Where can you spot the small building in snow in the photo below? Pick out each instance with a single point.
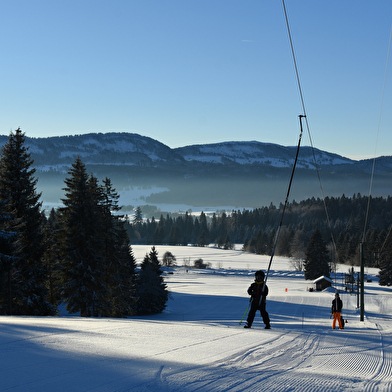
(322, 283)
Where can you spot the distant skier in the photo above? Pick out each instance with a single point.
(256, 292)
(336, 310)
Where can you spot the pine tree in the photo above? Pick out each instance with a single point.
(6, 262)
(138, 218)
(202, 239)
(159, 234)
(385, 261)
(174, 235)
(316, 257)
(228, 243)
(123, 282)
(151, 291)
(204, 227)
(51, 258)
(26, 273)
(81, 242)
(119, 259)
(298, 245)
(284, 241)
(188, 227)
(153, 258)
(214, 228)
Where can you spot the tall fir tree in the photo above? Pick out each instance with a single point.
(84, 288)
(151, 292)
(26, 272)
(385, 261)
(51, 258)
(119, 259)
(123, 278)
(6, 261)
(316, 261)
(138, 218)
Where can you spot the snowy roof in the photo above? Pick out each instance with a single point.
(322, 278)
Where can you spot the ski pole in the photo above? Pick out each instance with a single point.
(246, 311)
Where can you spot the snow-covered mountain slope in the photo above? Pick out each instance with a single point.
(134, 149)
(256, 152)
(99, 148)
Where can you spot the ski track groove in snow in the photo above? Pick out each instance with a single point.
(207, 342)
(264, 366)
(384, 369)
(305, 354)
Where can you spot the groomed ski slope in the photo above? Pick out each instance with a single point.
(197, 344)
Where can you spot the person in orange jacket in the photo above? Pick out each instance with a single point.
(256, 292)
(336, 310)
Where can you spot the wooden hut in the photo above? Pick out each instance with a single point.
(322, 283)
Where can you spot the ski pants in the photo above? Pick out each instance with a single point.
(252, 312)
(337, 316)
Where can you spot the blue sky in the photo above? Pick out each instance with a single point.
(189, 72)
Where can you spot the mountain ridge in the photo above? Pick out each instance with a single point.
(133, 148)
(244, 174)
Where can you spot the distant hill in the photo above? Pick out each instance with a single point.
(99, 148)
(239, 174)
(248, 153)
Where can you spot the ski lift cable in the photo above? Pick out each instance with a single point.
(294, 60)
(378, 132)
(307, 126)
(385, 241)
(284, 207)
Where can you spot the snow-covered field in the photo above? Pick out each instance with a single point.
(197, 343)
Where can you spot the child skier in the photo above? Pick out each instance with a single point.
(258, 300)
(336, 310)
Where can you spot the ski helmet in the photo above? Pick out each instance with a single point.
(260, 273)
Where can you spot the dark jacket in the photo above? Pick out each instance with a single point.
(337, 305)
(255, 291)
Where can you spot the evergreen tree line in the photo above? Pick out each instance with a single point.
(80, 254)
(256, 229)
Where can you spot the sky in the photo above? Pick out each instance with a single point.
(194, 72)
(197, 344)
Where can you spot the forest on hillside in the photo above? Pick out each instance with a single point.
(341, 221)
